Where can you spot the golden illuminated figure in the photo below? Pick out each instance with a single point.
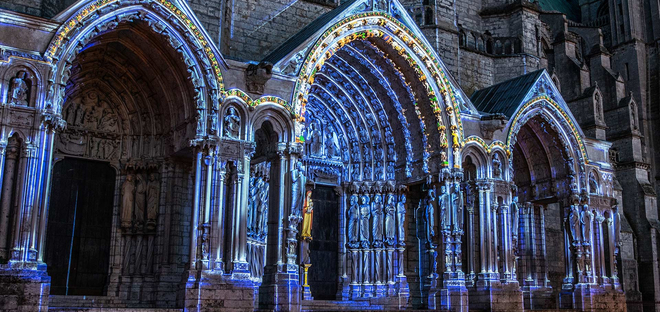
(308, 216)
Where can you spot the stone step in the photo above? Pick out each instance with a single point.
(70, 309)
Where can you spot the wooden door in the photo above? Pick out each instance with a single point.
(324, 253)
(79, 227)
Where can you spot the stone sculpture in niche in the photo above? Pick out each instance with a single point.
(314, 139)
(332, 143)
(232, 123)
(429, 211)
(140, 199)
(377, 220)
(515, 215)
(401, 212)
(127, 200)
(497, 166)
(390, 215)
(298, 182)
(443, 201)
(19, 91)
(153, 194)
(365, 213)
(353, 221)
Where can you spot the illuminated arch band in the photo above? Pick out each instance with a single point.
(548, 109)
(164, 18)
(419, 56)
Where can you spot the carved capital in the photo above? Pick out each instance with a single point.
(52, 122)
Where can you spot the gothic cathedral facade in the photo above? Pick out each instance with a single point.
(321, 155)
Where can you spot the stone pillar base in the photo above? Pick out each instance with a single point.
(213, 291)
(596, 299)
(24, 289)
(453, 298)
(538, 297)
(500, 297)
(280, 292)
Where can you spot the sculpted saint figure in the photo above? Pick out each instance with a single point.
(377, 220)
(232, 123)
(252, 200)
(429, 210)
(515, 216)
(308, 216)
(574, 220)
(497, 165)
(390, 215)
(401, 216)
(353, 221)
(298, 182)
(153, 193)
(457, 198)
(332, 143)
(127, 200)
(140, 199)
(262, 209)
(445, 213)
(19, 89)
(587, 217)
(365, 213)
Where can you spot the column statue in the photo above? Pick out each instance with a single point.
(390, 227)
(429, 215)
(298, 182)
(377, 220)
(140, 199)
(153, 194)
(365, 213)
(401, 219)
(445, 213)
(353, 222)
(127, 200)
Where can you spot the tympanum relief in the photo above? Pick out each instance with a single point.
(93, 128)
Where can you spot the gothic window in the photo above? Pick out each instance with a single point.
(507, 47)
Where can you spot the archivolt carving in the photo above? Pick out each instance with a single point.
(158, 16)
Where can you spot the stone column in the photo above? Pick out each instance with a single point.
(194, 223)
(220, 211)
(11, 159)
(23, 217)
(241, 265)
(494, 243)
(280, 287)
(506, 245)
(52, 126)
(544, 255)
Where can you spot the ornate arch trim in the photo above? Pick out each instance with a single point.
(419, 56)
(556, 116)
(240, 94)
(88, 13)
(495, 145)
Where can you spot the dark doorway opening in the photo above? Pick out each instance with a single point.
(79, 227)
(323, 274)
